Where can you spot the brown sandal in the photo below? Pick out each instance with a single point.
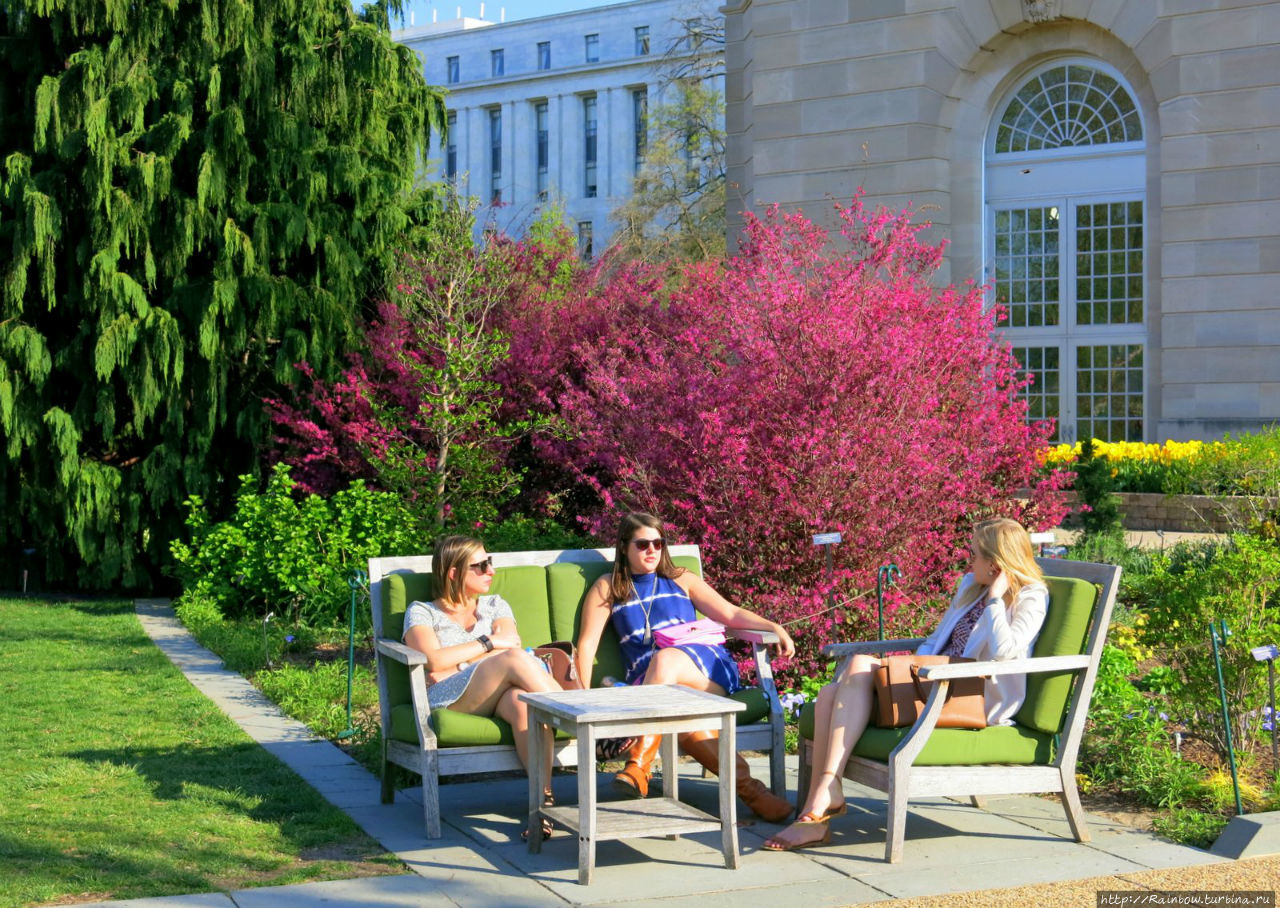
(548, 800)
(773, 843)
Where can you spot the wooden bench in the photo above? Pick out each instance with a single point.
(545, 590)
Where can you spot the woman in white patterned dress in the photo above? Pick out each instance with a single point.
(475, 660)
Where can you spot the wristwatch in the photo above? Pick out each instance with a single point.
(486, 642)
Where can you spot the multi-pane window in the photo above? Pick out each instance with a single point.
(589, 149)
(1067, 247)
(592, 43)
(1068, 106)
(544, 55)
(497, 62)
(451, 146)
(1109, 391)
(1042, 365)
(1026, 266)
(495, 155)
(585, 241)
(543, 157)
(640, 124)
(451, 70)
(642, 40)
(1109, 264)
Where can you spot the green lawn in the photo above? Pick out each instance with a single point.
(123, 781)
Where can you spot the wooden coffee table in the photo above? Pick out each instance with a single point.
(618, 712)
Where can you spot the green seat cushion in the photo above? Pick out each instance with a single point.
(455, 729)
(1065, 633)
(1009, 744)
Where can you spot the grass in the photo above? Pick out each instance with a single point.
(125, 782)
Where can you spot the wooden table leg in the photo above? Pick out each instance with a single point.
(539, 776)
(728, 800)
(670, 770)
(586, 804)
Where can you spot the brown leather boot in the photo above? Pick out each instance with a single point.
(704, 746)
(633, 781)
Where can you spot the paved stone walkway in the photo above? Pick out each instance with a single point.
(954, 853)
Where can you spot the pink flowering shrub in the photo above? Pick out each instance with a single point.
(796, 389)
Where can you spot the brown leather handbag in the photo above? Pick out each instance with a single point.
(561, 660)
(901, 693)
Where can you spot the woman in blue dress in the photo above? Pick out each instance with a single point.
(645, 593)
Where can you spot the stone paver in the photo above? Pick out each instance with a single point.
(481, 863)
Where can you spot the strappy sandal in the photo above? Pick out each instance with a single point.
(548, 800)
(773, 843)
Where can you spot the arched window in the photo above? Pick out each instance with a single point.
(1068, 106)
(1065, 241)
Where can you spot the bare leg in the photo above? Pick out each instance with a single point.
(843, 710)
(512, 668)
(671, 666)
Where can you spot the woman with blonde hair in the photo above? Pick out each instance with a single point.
(996, 614)
(646, 592)
(476, 662)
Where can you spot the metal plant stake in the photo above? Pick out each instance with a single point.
(358, 581)
(885, 577)
(1218, 634)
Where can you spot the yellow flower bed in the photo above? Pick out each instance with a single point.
(1165, 454)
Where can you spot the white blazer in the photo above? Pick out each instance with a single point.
(1001, 633)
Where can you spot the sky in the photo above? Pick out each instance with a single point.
(515, 9)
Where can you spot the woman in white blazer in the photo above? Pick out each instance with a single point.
(995, 615)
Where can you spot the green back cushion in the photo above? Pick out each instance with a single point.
(524, 588)
(567, 585)
(1065, 633)
(398, 590)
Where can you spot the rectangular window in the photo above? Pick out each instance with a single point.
(642, 40)
(451, 147)
(497, 62)
(1109, 394)
(543, 161)
(495, 155)
(589, 145)
(1042, 365)
(640, 120)
(544, 55)
(585, 232)
(1026, 265)
(1109, 264)
(451, 70)
(593, 48)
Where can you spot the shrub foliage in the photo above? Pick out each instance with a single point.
(800, 387)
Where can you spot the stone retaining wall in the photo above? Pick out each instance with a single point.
(1190, 513)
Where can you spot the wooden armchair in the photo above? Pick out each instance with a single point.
(1035, 754)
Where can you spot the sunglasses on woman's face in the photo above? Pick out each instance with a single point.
(643, 545)
(482, 567)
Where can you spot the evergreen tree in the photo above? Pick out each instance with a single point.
(194, 196)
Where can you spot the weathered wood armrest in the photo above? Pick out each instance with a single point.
(406, 655)
(1008, 667)
(843, 650)
(764, 638)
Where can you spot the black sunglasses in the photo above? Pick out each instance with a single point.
(643, 545)
(482, 567)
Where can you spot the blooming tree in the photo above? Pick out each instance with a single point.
(805, 386)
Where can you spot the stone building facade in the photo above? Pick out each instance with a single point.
(1110, 168)
(552, 109)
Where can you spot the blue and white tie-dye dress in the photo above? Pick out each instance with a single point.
(667, 605)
